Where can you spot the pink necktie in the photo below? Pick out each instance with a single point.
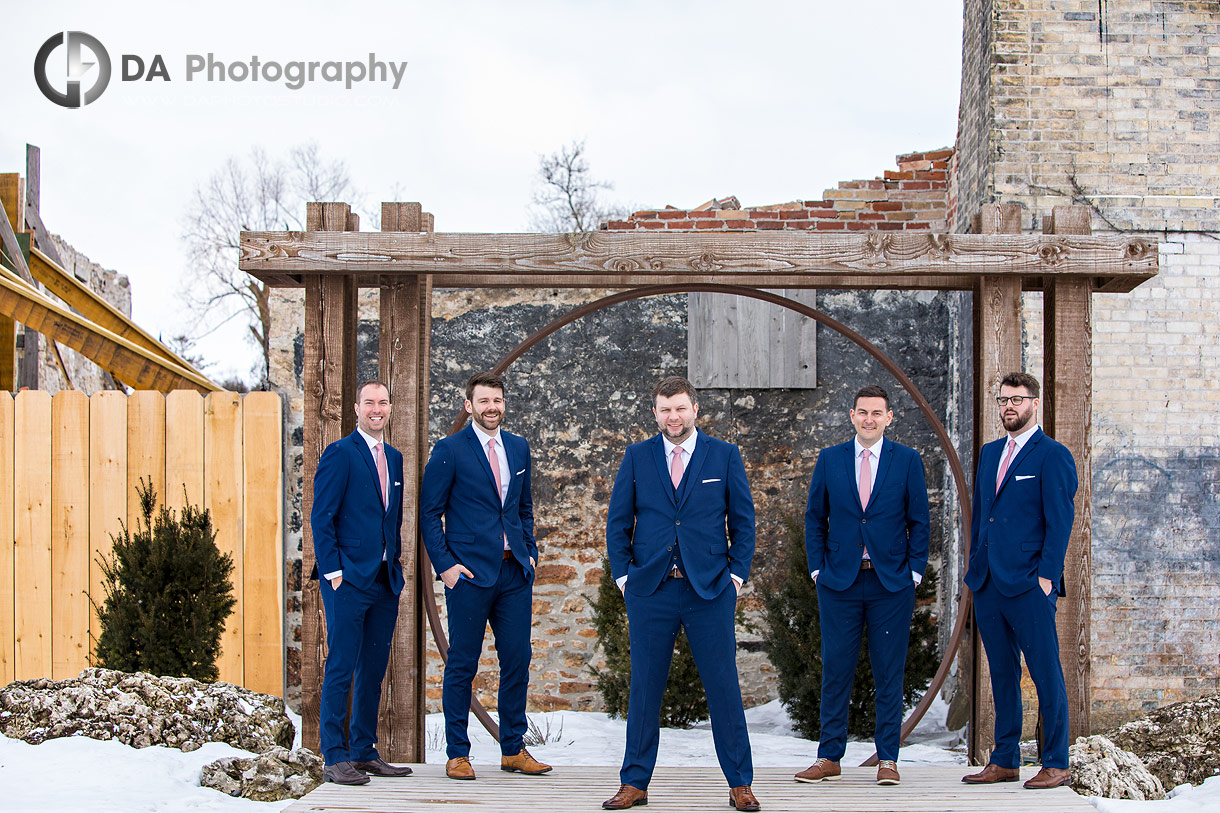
(1012, 448)
(866, 478)
(675, 466)
(382, 472)
(494, 460)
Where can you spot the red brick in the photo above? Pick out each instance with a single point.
(823, 213)
(940, 184)
(671, 214)
(857, 225)
(644, 214)
(886, 206)
(709, 224)
(891, 175)
(940, 165)
(915, 185)
(653, 224)
(831, 225)
(680, 224)
(851, 184)
(793, 214)
(703, 213)
(938, 155)
(930, 175)
(874, 184)
(916, 225)
(620, 224)
(739, 224)
(819, 204)
(871, 216)
(768, 225)
(763, 214)
(889, 226)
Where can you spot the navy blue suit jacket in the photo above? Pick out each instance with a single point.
(647, 517)
(351, 528)
(1020, 533)
(894, 526)
(459, 488)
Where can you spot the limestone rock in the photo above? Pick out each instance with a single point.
(272, 776)
(142, 710)
(1179, 743)
(1101, 768)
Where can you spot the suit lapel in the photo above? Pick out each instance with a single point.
(692, 470)
(658, 455)
(849, 471)
(879, 474)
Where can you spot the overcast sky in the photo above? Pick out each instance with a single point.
(677, 102)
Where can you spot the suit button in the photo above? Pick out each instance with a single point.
(991, 519)
(671, 547)
(677, 522)
(863, 521)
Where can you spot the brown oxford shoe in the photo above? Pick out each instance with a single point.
(742, 798)
(459, 768)
(887, 773)
(379, 767)
(342, 773)
(626, 797)
(991, 774)
(1049, 778)
(523, 762)
(821, 770)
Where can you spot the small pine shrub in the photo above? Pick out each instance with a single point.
(684, 703)
(794, 643)
(167, 594)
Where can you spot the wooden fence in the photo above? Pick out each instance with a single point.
(69, 465)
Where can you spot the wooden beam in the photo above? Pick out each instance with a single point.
(1068, 412)
(776, 259)
(12, 223)
(404, 356)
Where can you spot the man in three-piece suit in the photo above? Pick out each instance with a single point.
(356, 517)
(866, 537)
(665, 534)
(476, 516)
(1024, 492)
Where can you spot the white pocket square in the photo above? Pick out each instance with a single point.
(518, 474)
(397, 483)
(1023, 476)
(713, 480)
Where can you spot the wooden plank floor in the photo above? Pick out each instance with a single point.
(930, 788)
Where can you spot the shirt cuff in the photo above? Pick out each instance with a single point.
(621, 581)
(917, 577)
(813, 574)
(333, 574)
(740, 581)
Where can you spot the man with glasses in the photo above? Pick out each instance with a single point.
(1022, 518)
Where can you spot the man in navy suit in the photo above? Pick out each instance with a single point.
(665, 534)
(866, 537)
(356, 517)
(1023, 511)
(476, 515)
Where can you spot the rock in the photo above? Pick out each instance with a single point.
(1179, 743)
(1101, 768)
(141, 710)
(272, 776)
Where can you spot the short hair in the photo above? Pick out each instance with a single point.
(487, 379)
(674, 385)
(871, 391)
(1021, 380)
(369, 382)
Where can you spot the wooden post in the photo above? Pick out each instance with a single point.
(404, 358)
(9, 196)
(1067, 408)
(997, 350)
(330, 341)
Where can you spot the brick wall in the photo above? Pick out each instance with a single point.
(1117, 105)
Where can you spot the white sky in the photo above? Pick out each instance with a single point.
(677, 102)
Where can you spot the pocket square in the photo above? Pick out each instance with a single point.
(1023, 476)
(518, 474)
(397, 483)
(713, 480)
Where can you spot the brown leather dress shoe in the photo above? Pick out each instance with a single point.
(459, 768)
(887, 773)
(342, 773)
(523, 762)
(379, 767)
(1049, 778)
(627, 796)
(991, 774)
(742, 798)
(821, 770)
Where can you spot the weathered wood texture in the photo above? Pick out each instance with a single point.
(67, 465)
(744, 343)
(614, 260)
(924, 789)
(9, 183)
(1068, 412)
(183, 449)
(222, 496)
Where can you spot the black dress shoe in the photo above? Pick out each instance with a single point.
(342, 773)
(379, 767)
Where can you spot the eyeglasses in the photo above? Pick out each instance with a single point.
(1017, 400)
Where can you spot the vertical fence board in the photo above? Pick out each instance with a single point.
(222, 497)
(70, 645)
(145, 447)
(7, 608)
(32, 534)
(263, 565)
(183, 449)
(108, 478)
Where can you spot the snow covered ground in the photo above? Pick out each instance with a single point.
(78, 774)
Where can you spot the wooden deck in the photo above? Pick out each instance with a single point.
(931, 788)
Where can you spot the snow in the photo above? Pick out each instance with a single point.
(78, 774)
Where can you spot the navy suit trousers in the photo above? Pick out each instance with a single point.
(653, 621)
(507, 606)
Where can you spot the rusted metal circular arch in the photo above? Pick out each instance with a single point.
(946, 445)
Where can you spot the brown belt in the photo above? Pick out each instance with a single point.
(508, 554)
(674, 573)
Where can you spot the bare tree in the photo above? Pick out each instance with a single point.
(259, 193)
(567, 198)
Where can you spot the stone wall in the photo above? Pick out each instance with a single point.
(1117, 105)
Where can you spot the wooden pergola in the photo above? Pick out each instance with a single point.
(406, 260)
